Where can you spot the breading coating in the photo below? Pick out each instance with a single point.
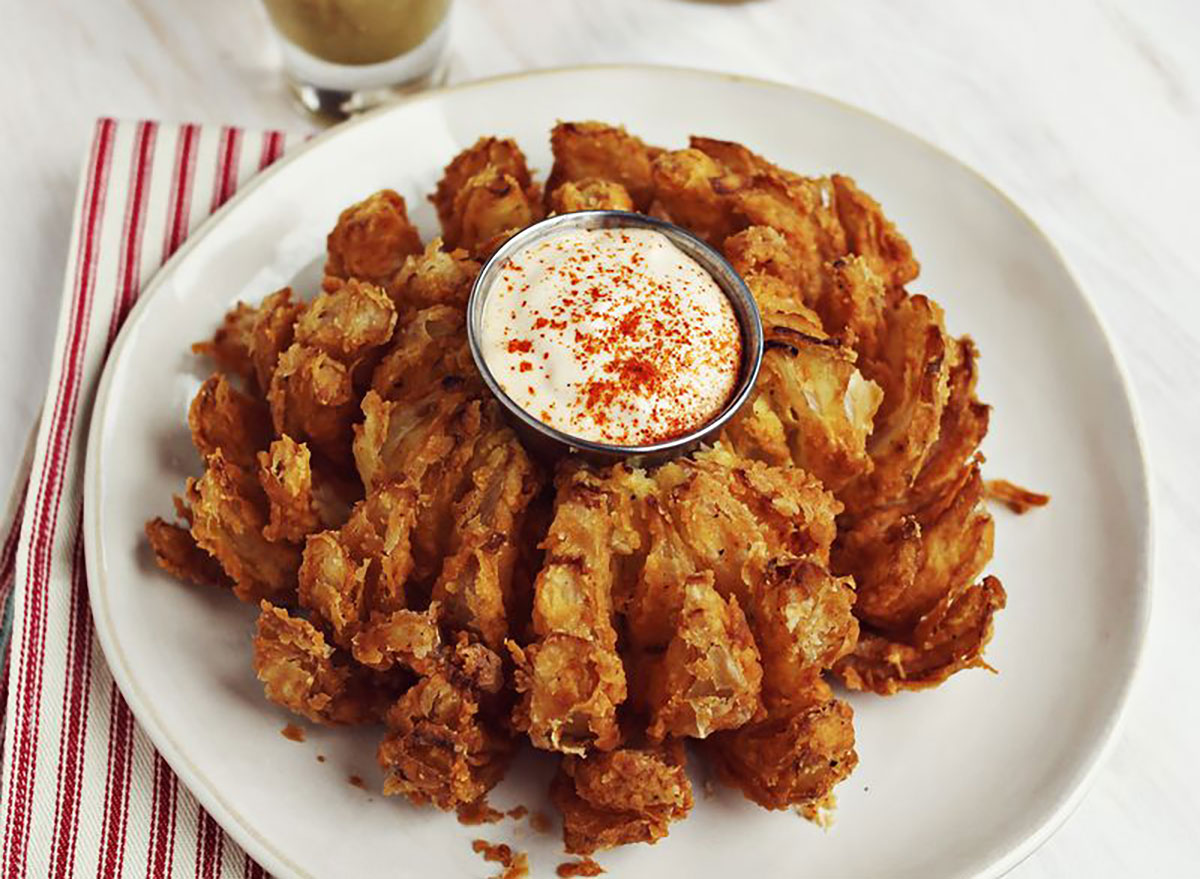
(285, 473)
(871, 235)
(693, 190)
(489, 209)
(312, 399)
(299, 671)
(273, 333)
(485, 195)
(222, 418)
(435, 276)
(176, 552)
(594, 150)
(250, 340)
(501, 154)
(231, 345)
(439, 748)
(229, 512)
(811, 408)
(362, 568)
(795, 757)
(429, 348)
(474, 587)
(372, 239)
(623, 796)
(571, 679)
(589, 194)
(349, 321)
(709, 677)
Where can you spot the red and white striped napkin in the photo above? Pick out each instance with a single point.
(83, 791)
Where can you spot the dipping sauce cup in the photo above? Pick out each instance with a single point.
(552, 441)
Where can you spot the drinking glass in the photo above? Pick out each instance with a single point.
(344, 56)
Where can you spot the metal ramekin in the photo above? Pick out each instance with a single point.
(549, 440)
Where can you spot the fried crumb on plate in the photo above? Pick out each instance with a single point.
(1019, 500)
(515, 864)
(580, 867)
(293, 733)
(478, 812)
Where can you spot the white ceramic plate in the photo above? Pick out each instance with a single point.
(963, 781)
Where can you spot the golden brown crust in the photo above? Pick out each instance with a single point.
(434, 277)
(474, 587)
(709, 677)
(222, 418)
(620, 797)
(372, 239)
(229, 512)
(871, 235)
(571, 679)
(285, 473)
(361, 569)
(299, 671)
(485, 192)
(792, 759)
(230, 347)
(594, 150)
(176, 552)
(589, 194)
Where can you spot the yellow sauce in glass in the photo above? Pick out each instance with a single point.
(357, 31)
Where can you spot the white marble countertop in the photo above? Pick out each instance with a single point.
(1086, 111)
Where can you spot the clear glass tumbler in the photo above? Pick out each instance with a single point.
(344, 56)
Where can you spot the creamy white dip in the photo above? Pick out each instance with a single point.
(611, 335)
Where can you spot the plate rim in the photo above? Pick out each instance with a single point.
(231, 821)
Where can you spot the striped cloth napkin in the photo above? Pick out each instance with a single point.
(82, 790)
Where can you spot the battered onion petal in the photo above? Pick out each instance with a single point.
(435, 276)
(811, 408)
(872, 235)
(350, 320)
(571, 679)
(285, 473)
(595, 150)
(299, 672)
(953, 637)
(923, 617)
(272, 334)
(223, 418)
(429, 349)
(372, 239)
(250, 339)
(503, 155)
(362, 568)
(490, 208)
(623, 796)
(176, 552)
(914, 373)
(709, 676)
(312, 399)
(229, 512)
(231, 345)
(589, 194)
(439, 748)
(429, 443)
(794, 757)
(693, 190)
(474, 587)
